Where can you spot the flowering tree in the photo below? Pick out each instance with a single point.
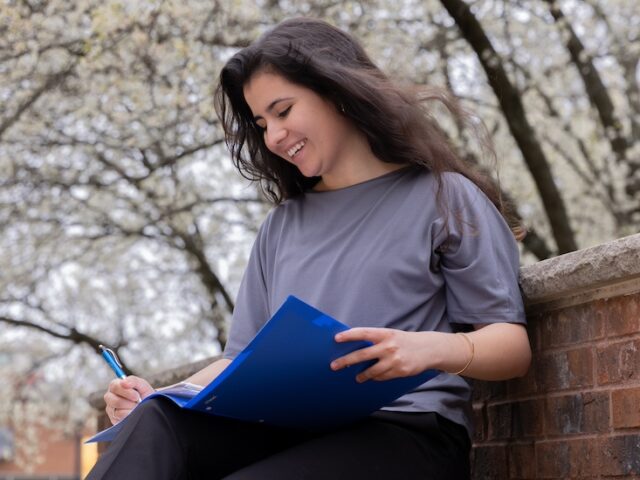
(123, 221)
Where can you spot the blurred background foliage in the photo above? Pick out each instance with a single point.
(123, 221)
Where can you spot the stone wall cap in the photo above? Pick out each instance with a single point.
(611, 263)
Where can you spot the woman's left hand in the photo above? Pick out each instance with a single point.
(399, 353)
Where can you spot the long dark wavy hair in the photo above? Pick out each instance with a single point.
(316, 55)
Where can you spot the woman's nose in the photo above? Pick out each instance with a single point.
(275, 136)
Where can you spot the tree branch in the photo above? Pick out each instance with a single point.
(593, 84)
(51, 82)
(73, 335)
(514, 112)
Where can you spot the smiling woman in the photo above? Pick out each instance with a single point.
(379, 224)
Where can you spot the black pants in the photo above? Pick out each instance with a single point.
(162, 441)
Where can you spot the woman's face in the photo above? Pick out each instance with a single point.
(302, 127)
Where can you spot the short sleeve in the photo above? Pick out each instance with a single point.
(252, 303)
(478, 257)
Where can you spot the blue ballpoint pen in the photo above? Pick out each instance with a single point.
(113, 361)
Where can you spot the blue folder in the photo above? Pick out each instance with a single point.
(283, 377)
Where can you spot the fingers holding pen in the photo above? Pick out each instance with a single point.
(139, 386)
(124, 390)
(117, 406)
(123, 395)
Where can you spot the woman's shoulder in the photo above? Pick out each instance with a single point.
(457, 187)
(457, 181)
(424, 175)
(449, 186)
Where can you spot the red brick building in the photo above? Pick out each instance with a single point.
(61, 457)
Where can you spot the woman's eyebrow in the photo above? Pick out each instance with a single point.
(271, 106)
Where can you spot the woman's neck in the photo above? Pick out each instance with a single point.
(357, 173)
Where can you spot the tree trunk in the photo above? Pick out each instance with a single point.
(513, 110)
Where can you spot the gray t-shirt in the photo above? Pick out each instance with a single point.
(382, 253)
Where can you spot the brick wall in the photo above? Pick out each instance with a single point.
(577, 412)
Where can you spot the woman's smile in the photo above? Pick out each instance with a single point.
(292, 152)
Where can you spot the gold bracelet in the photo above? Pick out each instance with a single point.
(473, 351)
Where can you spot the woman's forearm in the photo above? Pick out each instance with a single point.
(208, 373)
(500, 351)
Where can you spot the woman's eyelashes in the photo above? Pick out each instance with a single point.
(261, 125)
(285, 112)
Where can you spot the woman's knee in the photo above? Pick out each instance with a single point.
(154, 415)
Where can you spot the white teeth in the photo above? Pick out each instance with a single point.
(296, 148)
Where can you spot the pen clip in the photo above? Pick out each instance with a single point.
(112, 354)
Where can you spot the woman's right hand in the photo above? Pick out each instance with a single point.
(123, 395)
